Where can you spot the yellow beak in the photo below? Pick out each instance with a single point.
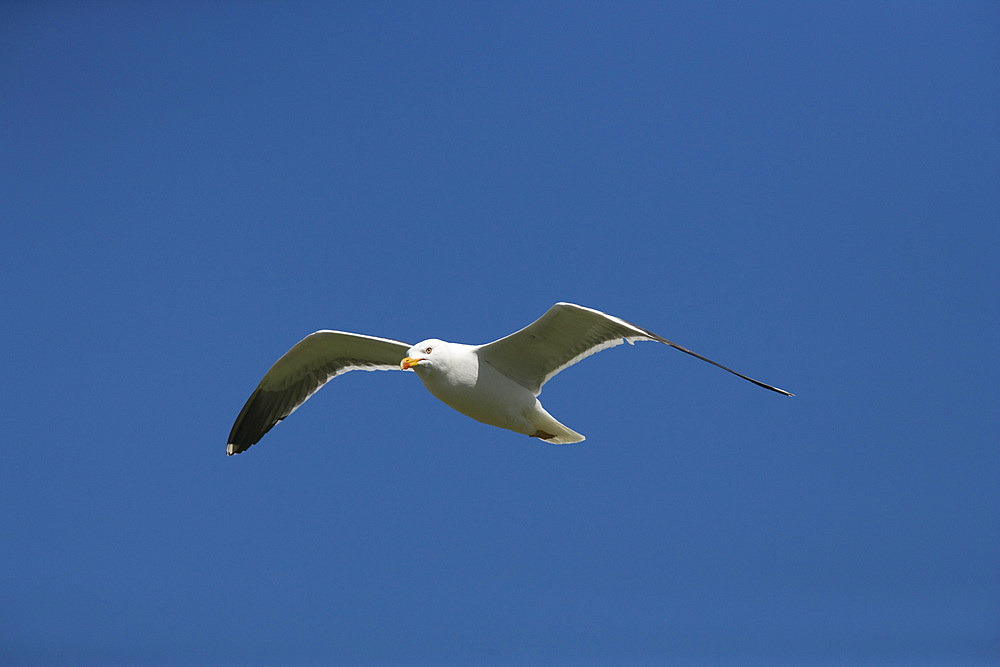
(406, 363)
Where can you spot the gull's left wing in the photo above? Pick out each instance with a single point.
(301, 371)
(564, 335)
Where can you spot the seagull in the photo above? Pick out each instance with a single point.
(497, 383)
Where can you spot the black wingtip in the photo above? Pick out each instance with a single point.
(716, 364)
(237, 448)
(756, 382)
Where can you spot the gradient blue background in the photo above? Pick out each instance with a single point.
(807, 192)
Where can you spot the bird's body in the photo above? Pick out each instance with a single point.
(497, 383)
(472, 386)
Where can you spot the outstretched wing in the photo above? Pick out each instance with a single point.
(564, 335)
(301, 371)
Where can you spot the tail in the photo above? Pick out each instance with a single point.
(550, 430)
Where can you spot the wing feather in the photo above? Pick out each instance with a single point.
(301, 371)
(566, 334)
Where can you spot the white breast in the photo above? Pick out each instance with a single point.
(476, 389)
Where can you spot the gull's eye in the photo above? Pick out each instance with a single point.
(427, 350)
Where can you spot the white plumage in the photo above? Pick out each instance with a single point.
(496, 383)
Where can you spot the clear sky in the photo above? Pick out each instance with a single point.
(807, 192)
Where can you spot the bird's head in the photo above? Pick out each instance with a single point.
(424, 354)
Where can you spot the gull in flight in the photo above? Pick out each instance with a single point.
(497, 383)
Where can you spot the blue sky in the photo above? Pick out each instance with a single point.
(806, 192)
